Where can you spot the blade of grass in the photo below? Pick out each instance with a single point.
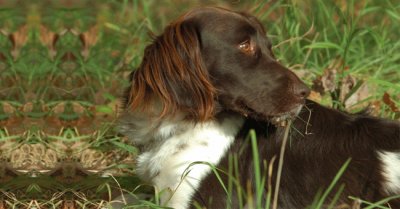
(257, 170)
(332, 184)
(280, 165)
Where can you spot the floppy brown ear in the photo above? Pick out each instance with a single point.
(173, 72)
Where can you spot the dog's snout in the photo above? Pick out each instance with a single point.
(301, 90)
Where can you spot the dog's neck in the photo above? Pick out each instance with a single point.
(175, 145)
(143, 129)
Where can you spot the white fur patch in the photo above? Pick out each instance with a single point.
(391, 171)
(175, 144)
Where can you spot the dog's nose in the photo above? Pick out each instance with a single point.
(301, 90)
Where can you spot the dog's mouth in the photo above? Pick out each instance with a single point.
(278, 120)
(281, 120)
(248, 111)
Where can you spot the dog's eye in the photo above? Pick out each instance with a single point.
(246, 47)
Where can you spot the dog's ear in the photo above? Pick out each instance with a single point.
(173, 72)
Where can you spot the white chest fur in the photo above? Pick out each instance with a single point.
(391, 171)
(167, 163)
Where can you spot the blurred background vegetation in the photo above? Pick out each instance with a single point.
(64, 65)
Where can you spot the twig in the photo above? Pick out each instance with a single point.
(280, 165)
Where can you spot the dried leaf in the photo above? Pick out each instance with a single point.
(329, 80)
(326, 82)
(8, 108)
(355, 97)
(89, 39)
(374, 107)
(346, 86)
(315, 96)
(2, 58)
(18, 39)
(317, 85)
(389, 102)
(48, 39)
(115, 53)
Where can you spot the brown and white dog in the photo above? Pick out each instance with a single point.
(209, 79)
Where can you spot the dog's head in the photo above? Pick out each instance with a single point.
(212, 59)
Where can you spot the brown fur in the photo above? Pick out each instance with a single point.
(172, 66)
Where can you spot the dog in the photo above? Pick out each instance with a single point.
(209, 79)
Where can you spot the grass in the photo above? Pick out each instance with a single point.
(63, 65)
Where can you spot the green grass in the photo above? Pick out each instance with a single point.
(64, 65)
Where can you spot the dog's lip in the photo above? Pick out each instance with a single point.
(283, 118)
(280, 119)
(250, 111)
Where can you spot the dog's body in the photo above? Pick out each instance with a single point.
(209, 79)
(321, 140)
